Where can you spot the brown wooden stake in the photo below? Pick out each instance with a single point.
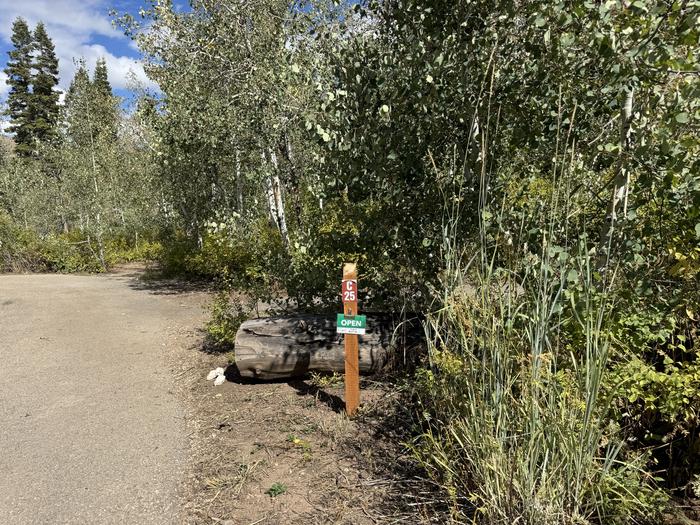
(352, 359)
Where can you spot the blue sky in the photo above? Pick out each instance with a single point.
(79, 29)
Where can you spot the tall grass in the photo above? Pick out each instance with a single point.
(515, 423)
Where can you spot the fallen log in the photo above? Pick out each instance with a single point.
(292, 346)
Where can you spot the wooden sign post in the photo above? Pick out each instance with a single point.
(351, 324)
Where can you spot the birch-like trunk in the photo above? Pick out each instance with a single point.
(100, 242)
(279, 203)
(620, 192)
(62, 207)
(239, 182)
(270, 194)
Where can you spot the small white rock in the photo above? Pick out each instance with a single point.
(215, 373)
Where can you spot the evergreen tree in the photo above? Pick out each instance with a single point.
(91, 110)
(80, 82)
(44, 98)
(19, 73)
(105, 101)
(77, 107)
(100, 79)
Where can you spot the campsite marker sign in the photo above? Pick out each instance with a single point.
(351, 324)
(356, 324)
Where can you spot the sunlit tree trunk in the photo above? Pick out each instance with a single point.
(279, 203)
(239, 182)
(620, 193)
(99, 231)
(270, 194)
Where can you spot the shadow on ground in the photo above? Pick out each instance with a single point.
(155, 282)
(301, 385)
(348, 471)
(211, 347)
(410, 496)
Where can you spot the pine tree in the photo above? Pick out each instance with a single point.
(105, 101)
(78, 107)
(100, 79)
(43, 101)
(19, 73)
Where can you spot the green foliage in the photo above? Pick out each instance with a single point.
(277, 489)
(515, 421)
(22, 250)
(673, 393)
(392, 277)
(246, 258)
(19, 75)
(226, 315)
(43, 103)
(321, 380)
(410, 137)
(18, 248)
(77, 128)
(94, 181)
(122, 250)
(101, 80)
(69, 253)
(33, 76)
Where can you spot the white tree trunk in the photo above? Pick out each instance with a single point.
(270, 194)
(239, 182)
(620, 192)
(279, 203)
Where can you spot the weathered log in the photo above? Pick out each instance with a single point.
(291, 346)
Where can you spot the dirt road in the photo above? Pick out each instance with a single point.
(91, 431)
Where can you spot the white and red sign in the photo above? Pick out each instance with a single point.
(350, 291)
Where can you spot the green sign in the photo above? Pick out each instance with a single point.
(351, 324)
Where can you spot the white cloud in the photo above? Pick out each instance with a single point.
(72, 25)
(4, 88)
(4, 125)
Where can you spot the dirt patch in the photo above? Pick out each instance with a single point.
(284, 453)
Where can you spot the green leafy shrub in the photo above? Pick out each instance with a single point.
(22, 250)
(248, 257)
(394, 275)
(655, 384)
(69, 253)
(18, 248)
(226, 316)
(121, 250)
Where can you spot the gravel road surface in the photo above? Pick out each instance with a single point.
(91, 431)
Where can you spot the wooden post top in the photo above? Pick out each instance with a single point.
(349, 271)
